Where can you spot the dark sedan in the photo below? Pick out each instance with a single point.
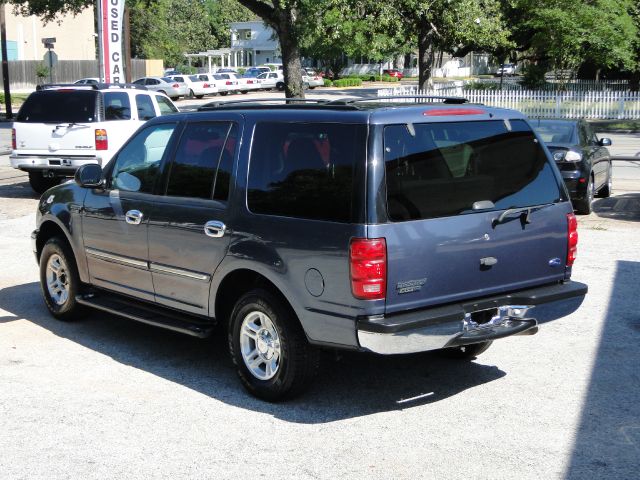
(582, 158)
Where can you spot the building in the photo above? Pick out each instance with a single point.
(252, 43)
(75, 39)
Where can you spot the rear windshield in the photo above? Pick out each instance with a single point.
(59, 106)
(555, 131)
(443, 169)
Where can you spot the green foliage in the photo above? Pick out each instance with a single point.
(481, 86)
(220, 14)
(347, 82)
(533, 78)
(49, 9)
(328, 83)
(241, 71)
(1, 98)
(187, 69)
(42, 71)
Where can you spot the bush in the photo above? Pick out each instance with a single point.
(2, 99)
(347, 82)
(534, 77)
(482, 86)
(373, 77)
(187, 69)
(328, 83)
(241, 71)
(42, 71)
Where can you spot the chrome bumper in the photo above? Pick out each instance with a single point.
(463, 324)
(51, 162)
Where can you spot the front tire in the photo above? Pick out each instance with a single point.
(59, 280)
(583, 207)
(607, 190)
(40, 183)
(268, 347)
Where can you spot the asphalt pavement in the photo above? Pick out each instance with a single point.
(106, 398)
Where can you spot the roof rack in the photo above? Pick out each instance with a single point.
(90, 86)
(286, 101)
(447, 100)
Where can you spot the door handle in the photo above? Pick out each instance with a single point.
(214, 228)
(133, 217)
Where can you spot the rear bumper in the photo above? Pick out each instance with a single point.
(56, 164)
(454, 325)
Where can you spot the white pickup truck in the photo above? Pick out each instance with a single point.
(61, 127)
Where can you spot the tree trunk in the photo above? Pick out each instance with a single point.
(425, 55)
(291, 63)
(598, 74)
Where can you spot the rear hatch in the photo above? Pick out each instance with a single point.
(57, 122)
(475, 208)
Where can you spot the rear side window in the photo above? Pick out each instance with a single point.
(59, 106)
(144, 104)
(305, 170)
(203, 148)
(165, 105)
(443, 169)
(117, 106)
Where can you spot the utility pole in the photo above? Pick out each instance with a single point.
(5, 62)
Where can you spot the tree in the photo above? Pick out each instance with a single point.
(221, 13)
(49, 9)
(286, 17)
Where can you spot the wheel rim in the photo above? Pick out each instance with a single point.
(57, 280)
(610, 183)
(590, 192)
(260, 345)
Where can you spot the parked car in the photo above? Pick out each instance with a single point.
(226, 70)
(195, 86)
(312, 80)
(350, 225)
(61, 127)
(257, 70)
(210, 83)
(228, 83)
(583, 159)
(171, 88)
(251, 81)
(271, 80)
(87, 81)
(393, 73)
(507, 69)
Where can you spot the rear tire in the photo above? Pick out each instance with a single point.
(607, 190)
(199, 96)
(59, 280)
(40, 183)
(280, 86)
(224, 94)
(583, 207)
(466, 352)
(268, 347)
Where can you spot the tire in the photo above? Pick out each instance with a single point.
(59, 280)
(190, 94)
(583, 207)
(466, 352)
(607, 190)
(40, 183)
(162, 92)
(175, 99)
(311, 88)
(244, 92)
(263, 330)
(199, 96)
(280, 86)
(224, 94)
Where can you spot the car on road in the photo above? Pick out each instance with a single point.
(171, 88)
(583, 159)
(390, 228)
(62, 127)
(195, 86)
(393, 73)
(312, 80)
(506, 69)
(272, 80)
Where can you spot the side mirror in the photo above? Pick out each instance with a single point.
(605, 142)
(89, 176)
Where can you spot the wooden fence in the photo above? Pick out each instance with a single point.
(22, 73)
(578, 104)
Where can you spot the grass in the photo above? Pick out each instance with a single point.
(616, 125)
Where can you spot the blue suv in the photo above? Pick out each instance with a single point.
(366, 225)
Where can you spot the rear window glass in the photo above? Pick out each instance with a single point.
(554, 131)
(58, 106)
(443, 169)
(117, 106)
(305, 170)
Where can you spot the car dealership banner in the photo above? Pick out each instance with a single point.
(110, 14)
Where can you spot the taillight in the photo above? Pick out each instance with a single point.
(229, 82)
(206, 85)
(368, 268)
(102, 142)
(572, 238)
(175, 85)
(13, 139)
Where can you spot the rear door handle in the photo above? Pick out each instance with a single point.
(214, 228)
(134, 217)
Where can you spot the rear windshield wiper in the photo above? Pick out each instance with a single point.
(523, 212)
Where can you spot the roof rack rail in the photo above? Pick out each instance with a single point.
(447, 100)
(90, 86)
(267, 101)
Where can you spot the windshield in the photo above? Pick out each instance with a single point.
(445, 169)
(59, 106)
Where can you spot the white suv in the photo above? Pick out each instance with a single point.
(61, 127)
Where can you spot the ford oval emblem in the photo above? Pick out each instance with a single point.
(555, 262)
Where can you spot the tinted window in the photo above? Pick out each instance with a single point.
(165, 105)
(305, 170)
(56, 106)
(117, 106)
(442, 169)
(554, 131)
(225, 166)
(197, 157)
(144, 104)
(137, 165)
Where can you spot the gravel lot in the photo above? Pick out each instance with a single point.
(107, 398)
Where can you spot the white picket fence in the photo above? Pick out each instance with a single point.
(590, 104)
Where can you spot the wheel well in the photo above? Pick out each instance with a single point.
(236, 284)
(48, 230)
